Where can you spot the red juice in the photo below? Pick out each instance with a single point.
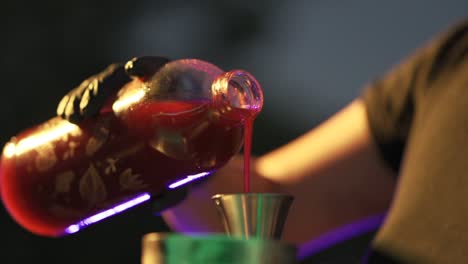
(247, 116)
(57, 174)
(248, 130)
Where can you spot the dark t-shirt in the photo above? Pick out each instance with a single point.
(418, 115)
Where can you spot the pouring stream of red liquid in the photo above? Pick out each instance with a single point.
(248, 128)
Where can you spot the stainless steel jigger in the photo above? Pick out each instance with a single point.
(253, 215)
(253, 222)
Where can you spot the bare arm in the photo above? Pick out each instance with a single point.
(333, 171)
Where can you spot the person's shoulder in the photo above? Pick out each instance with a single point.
(460, 24)
(451, 49)
(456, 36)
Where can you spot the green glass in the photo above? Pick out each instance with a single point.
(214, 249)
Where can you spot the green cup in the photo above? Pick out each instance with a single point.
(165, 248)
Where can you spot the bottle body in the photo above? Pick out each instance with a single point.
(79, 171)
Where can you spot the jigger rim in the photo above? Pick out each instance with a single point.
(264, 194)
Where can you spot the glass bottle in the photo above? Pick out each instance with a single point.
(159, 134)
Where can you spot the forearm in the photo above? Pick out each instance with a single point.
(334, 172)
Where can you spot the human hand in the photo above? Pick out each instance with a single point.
(87, 99)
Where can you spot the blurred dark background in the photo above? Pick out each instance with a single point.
(311, 57)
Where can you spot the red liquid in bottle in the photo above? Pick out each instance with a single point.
(57, 174)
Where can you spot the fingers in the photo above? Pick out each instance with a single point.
(72, 110)
(89, 97)
(69, 106)
(101, 88)
(144, 67)
(61, 106)
(85, 98)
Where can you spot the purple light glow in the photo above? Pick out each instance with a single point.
(110, 212)
(188, 179)
(128, 204)
(339, 235)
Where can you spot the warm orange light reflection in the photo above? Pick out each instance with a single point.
(131, 97)
(9, 150)
(59, 130)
